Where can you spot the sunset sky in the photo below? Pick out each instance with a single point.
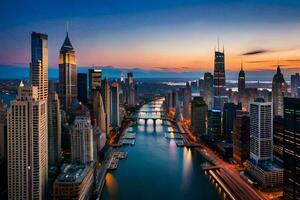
(174, 35)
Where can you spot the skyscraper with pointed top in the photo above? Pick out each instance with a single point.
(67, 74)
(241, 82)
(219, 79)
(279, 90)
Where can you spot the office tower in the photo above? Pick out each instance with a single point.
(174, 99)
(201, 87)
(27, 145)
(54, 130)
(115, 105)
(130, 90)
(278, 134)
(198, 116)
(67, 74)
(3, 130)
(39, 64)
(279, 90)
(208, 89)
(291, 155)
(261, 130)
(82, 87)
(219, 80)
(187, 96)
(241, 82)
(295, 83)
(241, 137)
(214, 125)
(74, 182)
(229, 114)
(82, 137)
(95, 77)
(105, 93)
(99, 112)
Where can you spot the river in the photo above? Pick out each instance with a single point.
(156, 168)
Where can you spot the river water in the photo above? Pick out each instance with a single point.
(156, 168)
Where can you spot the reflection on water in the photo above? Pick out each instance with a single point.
(111, 186)
(187, 167)
(172, 149)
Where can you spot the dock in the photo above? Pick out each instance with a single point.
(176, 136)
(113, 163)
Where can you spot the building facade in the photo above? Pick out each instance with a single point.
(115, 105)
(279, 90)
(82, 87)
(198, 116)
(214, 130)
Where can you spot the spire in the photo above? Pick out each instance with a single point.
(223, 49)
(218, 44)
(67, 44)
(278, 69)
(242, 67)
(21, 84)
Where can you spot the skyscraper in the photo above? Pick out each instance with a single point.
(82, 137)
(279, 90)
(198, 116)
(99, 112)
(261, 130)
(219, 80)
(130, 90)
(291, 147)
(208, 89)
(82, 87)
(54, 130)
(295, 83)
(27, 145)
(95, 77)
(187, 96)
(278, 135)
(214, 125)
(241, 82)
(241, 137)
(67, 74)
(229, 114)
(39, 64)
(105, 93)
(115, 104)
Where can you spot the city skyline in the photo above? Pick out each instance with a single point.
(159, 35)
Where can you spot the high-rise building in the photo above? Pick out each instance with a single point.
(95, 77)
(208, 89)
(130, 90)
(3, 130)
(105, 93)
(82, 137)
(295, 83)
(279, 90)
(67, 74)
(187, 96)
(261, 130)
(220, 96)
(198, 116)
(241, 82)
(99, 112)
(278, 134)
(214, 125)
(241, 137)
(27, 145)
(54, 130)
(39, 63)
(291, 148)
(82, 87)
(229, 114)
(115, 105)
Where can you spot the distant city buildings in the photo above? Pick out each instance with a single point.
(27, 145)
(241, 137)
(198, 116)
(131, 91)
(291, 148)
(279, 90)
(67, 74)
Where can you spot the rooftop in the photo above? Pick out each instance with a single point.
(73, 173)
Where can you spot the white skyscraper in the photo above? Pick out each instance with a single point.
(261, 130)
(27, 145)
(82, 137)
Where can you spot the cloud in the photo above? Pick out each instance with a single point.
(256, 51)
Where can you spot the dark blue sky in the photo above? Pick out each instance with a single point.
(172, 35)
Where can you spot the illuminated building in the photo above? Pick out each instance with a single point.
(74, 182)
(82, 87)
(95, 77)
(67, 74)
(105, 93)
(27, 145)
(131, 98)
(241, 82)
(198, 116)
(39, 63)
(99, 112)
(278, 92)
(291, 147)
(241, 137)
(208, 89)
(220, 96)
(54, 130)
(214, 131)
(229, 113)
(115, 104)
(187, 95)
(278, 135)
(295, 84)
